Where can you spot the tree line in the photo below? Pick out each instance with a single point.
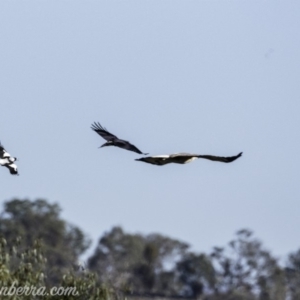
(38, 246)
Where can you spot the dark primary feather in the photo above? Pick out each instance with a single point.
(102, 131)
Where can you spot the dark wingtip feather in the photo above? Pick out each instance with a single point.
(231, 159)
(97, 126)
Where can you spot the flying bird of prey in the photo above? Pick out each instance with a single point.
(7, 161)
(183, 158)
(112, 140)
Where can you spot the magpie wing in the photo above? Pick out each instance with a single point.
(3, 153)
(102, 131)
(12, 169)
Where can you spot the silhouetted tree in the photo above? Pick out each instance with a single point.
(135, 261)
(196, 275)
(247, 270)
(292, 273)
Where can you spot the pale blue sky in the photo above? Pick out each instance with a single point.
(209, 77)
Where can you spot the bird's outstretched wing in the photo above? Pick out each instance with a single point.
(102, 131)
(116, 141)
(12, 169)
(221, 158)
(128, 146)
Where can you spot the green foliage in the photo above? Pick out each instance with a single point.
(25, 270)
(34, 220)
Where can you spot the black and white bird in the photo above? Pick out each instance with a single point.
(7, 161)
(183, 158)
(112, 140)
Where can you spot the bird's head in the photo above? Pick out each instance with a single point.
(12, 159)
(140, 159)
